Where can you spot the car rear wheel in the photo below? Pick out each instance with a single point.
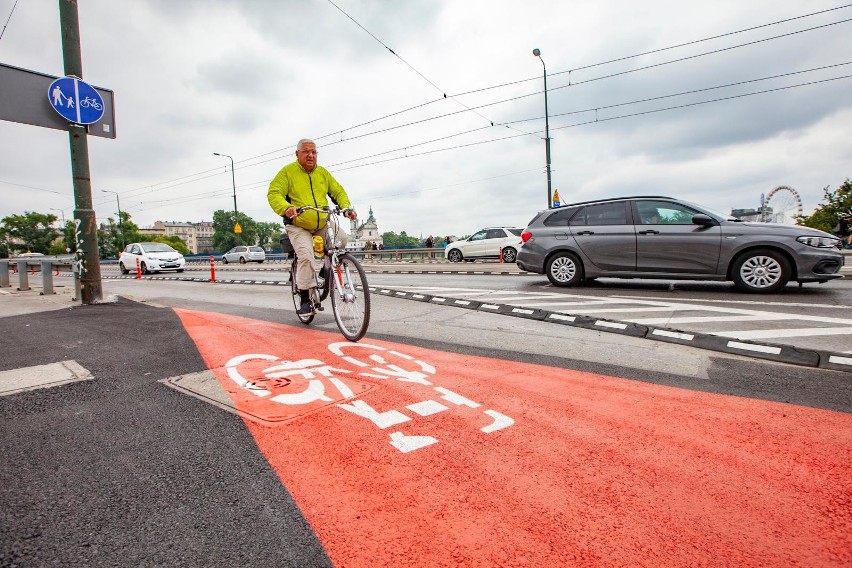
(564, 269)
(455, 255)
(509, 255)
(761, 270)
(242, 260)
(123, 269)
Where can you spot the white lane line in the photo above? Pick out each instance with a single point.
(705, 319)
(639, 310)
(568, 304)
(750, 302)
(732, 314)
(773, 333)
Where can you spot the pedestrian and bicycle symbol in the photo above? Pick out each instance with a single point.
(76, 100)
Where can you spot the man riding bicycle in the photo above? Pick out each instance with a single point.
(302, 183)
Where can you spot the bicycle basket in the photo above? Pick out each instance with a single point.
(286, 246)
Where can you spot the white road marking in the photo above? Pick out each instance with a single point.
(625, 306)
(771, 333)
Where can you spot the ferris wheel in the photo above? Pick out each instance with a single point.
(782, 205)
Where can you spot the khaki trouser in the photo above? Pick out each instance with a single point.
(303, 243)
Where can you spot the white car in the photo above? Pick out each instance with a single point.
(492, 242)
(152, 257)
(244, 254)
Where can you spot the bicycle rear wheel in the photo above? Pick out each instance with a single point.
(350, 298)
(297, 296)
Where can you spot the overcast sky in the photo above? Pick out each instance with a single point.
(249, 78)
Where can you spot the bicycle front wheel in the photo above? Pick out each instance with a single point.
(350, 298)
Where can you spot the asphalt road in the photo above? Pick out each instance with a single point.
(609, 437)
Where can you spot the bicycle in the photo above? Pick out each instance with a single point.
(340, 276)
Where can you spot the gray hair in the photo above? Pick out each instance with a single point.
(304, 141)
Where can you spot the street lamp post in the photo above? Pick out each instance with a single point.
(63, 214)
(233, 183)
(537, 53)
(118, 204)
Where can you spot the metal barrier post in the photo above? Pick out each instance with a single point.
(46, 277)
(23, 278)
(4, 274)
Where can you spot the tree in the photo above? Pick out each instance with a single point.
(838, 204)
(225, 238)
(173, 241)
(31, 232)
(112, 237)
(401, 240)
(267, 235)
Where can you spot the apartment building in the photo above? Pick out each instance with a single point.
(197, 236)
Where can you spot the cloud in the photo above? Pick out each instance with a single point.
(249, 78)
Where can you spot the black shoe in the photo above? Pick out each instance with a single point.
(307, 306)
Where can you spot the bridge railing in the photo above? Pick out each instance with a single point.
(24, 267)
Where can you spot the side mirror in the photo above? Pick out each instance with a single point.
(703, 220)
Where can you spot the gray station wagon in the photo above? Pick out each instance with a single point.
(662, 237)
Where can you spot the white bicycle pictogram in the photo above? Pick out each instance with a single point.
(327, 384)
(90, 102)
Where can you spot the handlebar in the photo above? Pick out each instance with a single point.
(326, 209)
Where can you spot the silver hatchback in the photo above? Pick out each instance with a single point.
(244, 254)
(662, 237)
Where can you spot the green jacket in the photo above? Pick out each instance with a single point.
(293, 186)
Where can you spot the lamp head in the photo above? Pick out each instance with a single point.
(537, 52)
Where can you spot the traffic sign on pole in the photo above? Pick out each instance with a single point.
(76, 100)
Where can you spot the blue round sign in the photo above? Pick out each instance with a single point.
(75, 100)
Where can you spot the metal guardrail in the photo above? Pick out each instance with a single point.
(46, 265)
(389, 255)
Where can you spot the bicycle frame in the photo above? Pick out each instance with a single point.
(343, 276)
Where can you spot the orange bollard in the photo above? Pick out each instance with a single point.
(138, 270)
(212, 269)
(501, 255)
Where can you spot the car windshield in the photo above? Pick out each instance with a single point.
(157, 247)
(712, 212)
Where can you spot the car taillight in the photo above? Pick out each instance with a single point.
(525, 236)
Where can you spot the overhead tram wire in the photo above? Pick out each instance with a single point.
(570, 84)
(659, 50)
(12, 11)
(594, 109)
(676, 107)
(698, 103)
(439, 89)
(694, 91)
(555, 88)
(340, 132)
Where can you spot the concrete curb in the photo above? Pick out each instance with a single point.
(769, 351)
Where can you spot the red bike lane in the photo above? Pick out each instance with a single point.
(405, 456)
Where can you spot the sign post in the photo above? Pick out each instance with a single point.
(88, 257)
